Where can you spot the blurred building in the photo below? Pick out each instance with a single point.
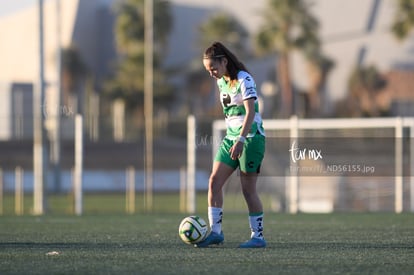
(398, 94)
(85, 25)
(353, 32)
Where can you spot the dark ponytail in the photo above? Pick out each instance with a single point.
(217, 51)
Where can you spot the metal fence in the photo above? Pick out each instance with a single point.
(324, 165)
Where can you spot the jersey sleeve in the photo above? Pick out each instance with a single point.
(247, 86)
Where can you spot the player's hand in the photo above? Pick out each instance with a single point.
(236, 150)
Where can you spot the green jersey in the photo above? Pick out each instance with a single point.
(232, 98)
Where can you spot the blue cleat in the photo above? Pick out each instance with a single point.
(254, 243)
(212, 238)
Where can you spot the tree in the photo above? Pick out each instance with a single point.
(73, 74)
(318, 67)
(128, 81)
(225, 28)
(364, 86)
(288, 26)
(221, 27)
(403, 19)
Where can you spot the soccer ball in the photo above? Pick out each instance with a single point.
(192, 229)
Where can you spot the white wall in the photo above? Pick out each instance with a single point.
(5, 111)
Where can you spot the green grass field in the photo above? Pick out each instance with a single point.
(149, 244)
(115, 203)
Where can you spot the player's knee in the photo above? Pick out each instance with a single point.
(214, 183)
(249, 189)
(212, 180)
(249, 193)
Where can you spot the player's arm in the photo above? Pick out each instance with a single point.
(237, 149)
(248, 90)
(248, 119)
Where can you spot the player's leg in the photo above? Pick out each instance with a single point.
(223, 167)
(248, 184)
(254, 204)
(250, 163)
(220, 173)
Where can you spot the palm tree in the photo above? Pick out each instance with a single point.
(318, 68)
(364, 86)
(403, 19)
(225, 28)
(128, 82)
(221, 27)
(288, 26)
(73, 74)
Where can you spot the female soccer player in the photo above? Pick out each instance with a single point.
(243, 145)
